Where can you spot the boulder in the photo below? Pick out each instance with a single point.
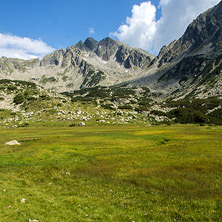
(12, 143)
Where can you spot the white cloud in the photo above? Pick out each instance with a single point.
(23, 48)
(91, 30)
(144, 31)
(139, 28)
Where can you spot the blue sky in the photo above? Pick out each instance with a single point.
(60, 23)
(54, 24)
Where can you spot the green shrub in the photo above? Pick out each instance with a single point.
(216, 117)
(141, 108)
(108, 106)
(81, 99)
(158, 113)
(187, 115)
(122, 92)
(44, 97)
(144, 101)
(126, 106)
(31, 98)
(24, 125)
(12, 87)
(18, 99)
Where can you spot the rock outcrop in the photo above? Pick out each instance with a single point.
(203, 37)
(12, 143)
(191, 65)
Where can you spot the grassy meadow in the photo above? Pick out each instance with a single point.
(111, 173)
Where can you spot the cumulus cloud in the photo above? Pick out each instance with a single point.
(23, 48)
(140, 28)
(143, 30)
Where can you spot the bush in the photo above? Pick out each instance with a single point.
(122, 92)
(31, 98)
(126, 106)
(158, 113)
(12, 87)
(141, 108)
(44, 97)
(108, 106)
(216, 117)
(73, 125)
(187, 115)
(145, 102)
(24, 125)
(18, 99)
(81, 99)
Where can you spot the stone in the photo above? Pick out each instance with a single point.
(82, 124)
(12, 143)
(23, 200)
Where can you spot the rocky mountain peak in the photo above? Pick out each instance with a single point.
(106, 48)
(205, 29)
(91, 43)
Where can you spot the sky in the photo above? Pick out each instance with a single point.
(34, 28)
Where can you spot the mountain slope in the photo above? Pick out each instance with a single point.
(191, 65)
(83, 65)
(188, 67)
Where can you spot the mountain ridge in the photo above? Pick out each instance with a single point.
(179, 67)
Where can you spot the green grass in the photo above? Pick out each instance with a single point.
(112, 173)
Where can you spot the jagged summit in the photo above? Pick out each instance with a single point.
(84, 64)
(91, 43)
(201, 37)
(191, 65)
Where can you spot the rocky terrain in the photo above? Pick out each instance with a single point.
(191, 65)
(87, 64)
(120, 84)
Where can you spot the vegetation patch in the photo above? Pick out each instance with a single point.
(113, 173)
(93, 78)
(45, 80)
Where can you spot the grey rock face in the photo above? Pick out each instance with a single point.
(207, 28)
(194, 62)
(106, 48)
(132, 57)
(81, 65)
(91, 44)
(53, 59)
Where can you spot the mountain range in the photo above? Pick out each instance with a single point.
(190, 66)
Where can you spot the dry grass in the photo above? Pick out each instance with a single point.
(115, 173)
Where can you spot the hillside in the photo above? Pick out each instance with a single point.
(87, 64)
(191, 66)
(115, 83)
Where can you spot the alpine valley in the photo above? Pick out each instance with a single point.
(104, 132)
(109, 82)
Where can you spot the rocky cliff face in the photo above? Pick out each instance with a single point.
(191, 65)
(107, 50)
(84, 64)
(203, 37)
